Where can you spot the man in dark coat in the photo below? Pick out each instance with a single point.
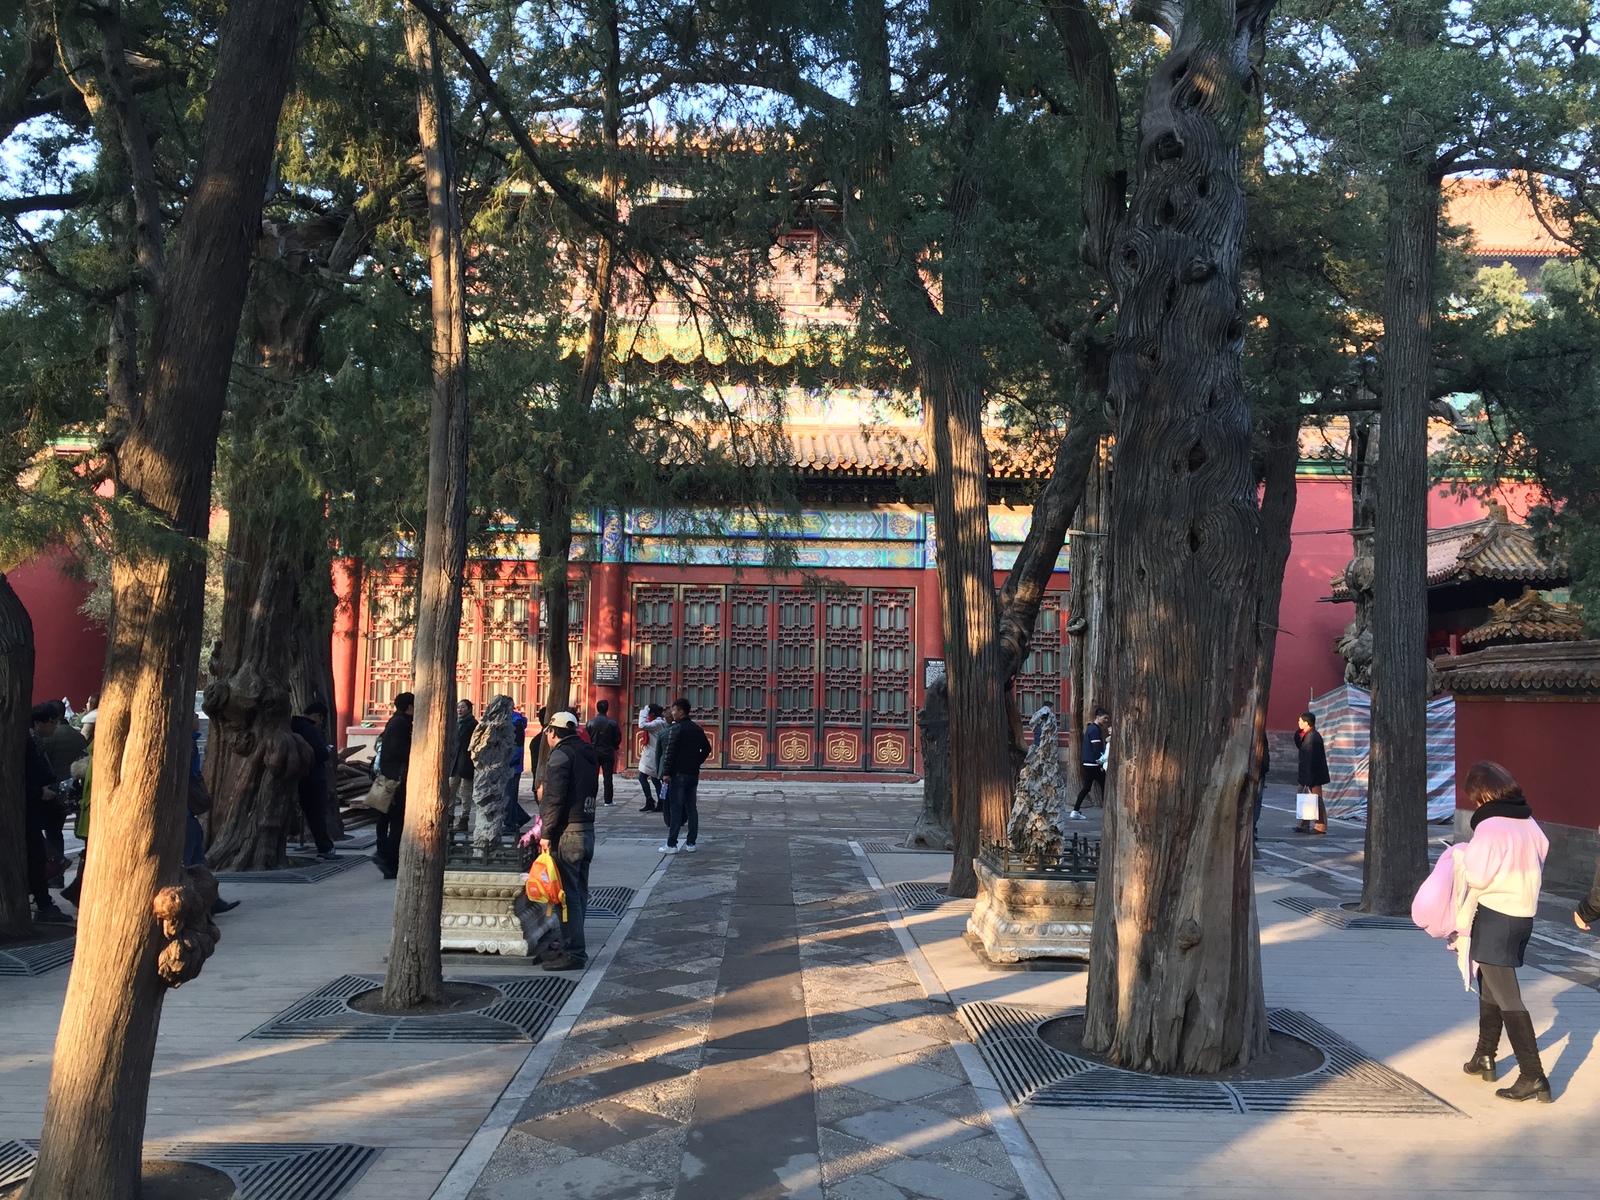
(461, 768)
(566, 808)
(1313, 770)
(1092, 760)
(605, 735)
(394, 757)
(39, 809)
(312, 728)
(680, 771)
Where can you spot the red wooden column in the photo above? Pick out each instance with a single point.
(608, 601)
(346, 644)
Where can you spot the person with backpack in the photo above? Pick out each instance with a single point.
(1313, 770)
(605, 735)
(680, 772)
(1093, 762)
(566, 814)
(652, 724)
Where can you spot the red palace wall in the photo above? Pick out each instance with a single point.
(1306, 663)
(69, 649)
(1544, 743)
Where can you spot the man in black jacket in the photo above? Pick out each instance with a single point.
(394, 757)
(312, 729)
(566, 808)
(680, 771)
(605, 735)
(461, 768)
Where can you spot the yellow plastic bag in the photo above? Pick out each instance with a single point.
(544, 883)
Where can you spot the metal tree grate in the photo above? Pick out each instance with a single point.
(37, 958)
(522, 1013)
(923, 895)
(1340, 917)
(260, 1170)
(312, 871)
(896, 848)
(610, 901)
(1031, 1071)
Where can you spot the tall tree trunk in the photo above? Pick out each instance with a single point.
(1397, 798)
(16, 702)
(980, 772)
(1279, 495)
(1175, 966)
(1088, 606)
(415, 974)
(100, 1078)
(555, 549)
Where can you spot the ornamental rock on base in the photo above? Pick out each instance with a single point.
(1036, 892)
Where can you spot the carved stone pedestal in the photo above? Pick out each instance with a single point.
(479, 911)
(1030, 914)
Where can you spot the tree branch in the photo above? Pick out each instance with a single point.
(37, 62)
(17, 205)
(1105, 174)
(569, 194)
(1030, 575)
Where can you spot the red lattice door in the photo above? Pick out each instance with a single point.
(391, 630)
(749, 726)
(795, 732)
(505, 653)
(700, 673)
(843, 679)
(1039, 678)
(577, 605)
(889, 682)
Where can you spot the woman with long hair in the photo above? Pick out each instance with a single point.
(1498, 878)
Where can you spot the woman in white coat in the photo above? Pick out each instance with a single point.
(1498, 878)
(652, 722)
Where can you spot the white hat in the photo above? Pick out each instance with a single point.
(563, 720)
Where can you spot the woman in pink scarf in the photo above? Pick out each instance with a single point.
(1497, 879)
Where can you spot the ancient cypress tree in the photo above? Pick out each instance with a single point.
(1175, 977)
(94, 1118)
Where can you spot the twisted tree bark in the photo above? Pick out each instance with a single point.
(1175, 977)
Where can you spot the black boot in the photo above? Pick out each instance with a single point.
(1483, 1058)
(1531, 1083)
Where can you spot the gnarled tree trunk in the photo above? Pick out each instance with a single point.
(100, 1077)
(16, 702)
(254, 764)
(415, 974)
(1175, 974)
(1397, 797)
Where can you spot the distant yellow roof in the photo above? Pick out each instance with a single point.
(1503, 221)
